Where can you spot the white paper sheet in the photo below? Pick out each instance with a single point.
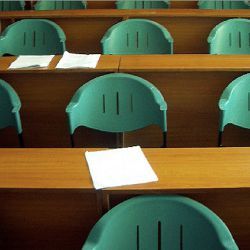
(118, 167)
(31, 61)
(70, 60)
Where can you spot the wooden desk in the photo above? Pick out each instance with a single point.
(191, 85)
(44, 94)
(85, 28)
(48, 193)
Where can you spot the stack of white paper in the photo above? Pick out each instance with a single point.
(70, 60)
(31, 61)
(118, 167)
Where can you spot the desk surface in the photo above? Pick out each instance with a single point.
(177, 169)
(106, 63)
(184, 62)
(120, 13)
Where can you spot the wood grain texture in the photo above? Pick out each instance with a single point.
(85, 28)
(39, 210)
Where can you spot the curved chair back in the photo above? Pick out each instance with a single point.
(234, 104)
(137, 36)
(230, 37)
(9, 108)
(117, 103)
(32, 37)
(223, 4)
(60, 5)
(142, 4)
(12, 5)
(160, 222)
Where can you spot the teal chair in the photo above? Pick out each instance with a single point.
(124, 4)
(137, 36)
(223, 4)
(160, 222)
(9, 109)
(117, 103)
(230, 37)
(12, 5)
(60, 5)
(234, 105)
(32, 37)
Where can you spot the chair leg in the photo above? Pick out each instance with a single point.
(72, 141)
(220, 139)
(164, 136)
(20, 138)
(119, 140)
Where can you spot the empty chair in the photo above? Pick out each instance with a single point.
(137, 36)
(12, 5)
(124, 4)
(230, 37)
(223, 4)
(32, 37)
(9, 109)
(160, 222)
(60, 5)
(234, 105)
(117, 103)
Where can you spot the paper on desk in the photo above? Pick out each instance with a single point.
(31, 61)
(118, 167)
(70, 60)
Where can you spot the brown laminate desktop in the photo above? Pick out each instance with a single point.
(48, 201)
(84, 29)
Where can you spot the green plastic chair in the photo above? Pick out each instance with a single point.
(9, 109)
(137, 36)
(12, 5)
(223, 4)
(234, 105)
(60, 5)
(117, 103)
(124, 4)
(32, 37)
(230, 37)
(160, 222)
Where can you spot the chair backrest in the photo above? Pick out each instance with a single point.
(234, 103)
(117, 103)
(223, 4)
(60, 5)
(137, 36)
(32, 37)
(12, 5)
(9, 107)
(121, 4)
(160, 222)
(230, 37)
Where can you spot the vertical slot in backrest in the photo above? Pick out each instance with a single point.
(34, 38)
(55, 5)
(230, 39)
(181, 237)
(159, 235)
(137, 39)
(103, 104)
(137, 237)
(239, 34)
(127, 39)
(62, 5)
(117, 103)
(24, 38)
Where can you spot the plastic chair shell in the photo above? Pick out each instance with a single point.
(160, 222)
(137, 36)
